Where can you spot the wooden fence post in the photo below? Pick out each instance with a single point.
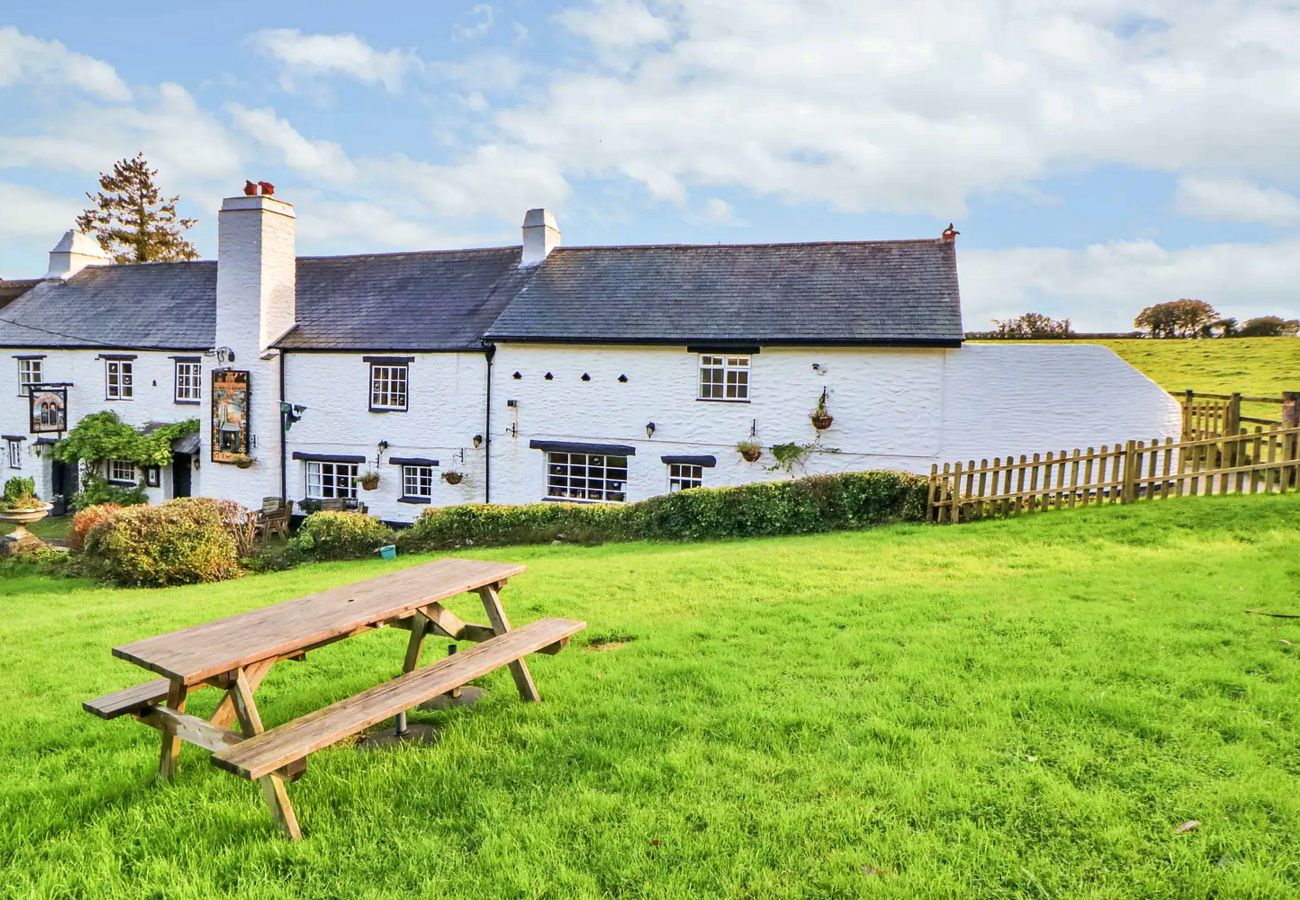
(1128, 492)
(1291, 409)
(1189, 398)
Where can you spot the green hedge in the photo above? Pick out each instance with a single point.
(182, 541)
(802, 506)
(339, 535)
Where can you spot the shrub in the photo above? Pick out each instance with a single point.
(86, 519)
(98, 491)
(339, 535)
(800, 506)
(183, 541)
(20, 494)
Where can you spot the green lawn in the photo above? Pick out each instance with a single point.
(56, 528)
(1009, 708)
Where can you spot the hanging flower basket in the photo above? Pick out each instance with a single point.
(453, 477)
(242, 460)
(750, 451)
(369, 481)
(822, 421)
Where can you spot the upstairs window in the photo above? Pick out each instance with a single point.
(121, 471)
(15, 454)
(586, 476)
(387, 387)
(682, 476)
(189, 380)
(29, 373)
(724, 377)
(331, 481)
(119, 379)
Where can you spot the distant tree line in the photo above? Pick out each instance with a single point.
(1174, 319)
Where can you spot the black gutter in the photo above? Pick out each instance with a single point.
(719, 343)
(489, 350)
(284, 436)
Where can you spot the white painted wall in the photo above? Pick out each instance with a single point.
(894, 408)
(154, 372)
(445, 411)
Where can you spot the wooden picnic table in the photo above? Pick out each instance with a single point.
(236, 653)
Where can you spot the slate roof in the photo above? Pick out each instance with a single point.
(832, 293)
(13, 288)
(439, 300)
(164, 306)
(859, 292)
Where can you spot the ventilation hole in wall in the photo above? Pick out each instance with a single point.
(516, 376)
(622, 379)
(549, 376)
(586, 377)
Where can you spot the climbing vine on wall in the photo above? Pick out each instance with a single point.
(103, 435)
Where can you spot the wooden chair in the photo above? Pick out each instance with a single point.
(273, 519)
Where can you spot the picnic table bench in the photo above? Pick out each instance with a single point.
(235, 654)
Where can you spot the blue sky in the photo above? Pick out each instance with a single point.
(1097, 156)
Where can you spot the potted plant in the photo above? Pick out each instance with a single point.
(241, 460)
(453, 477)
(821, 419)
(368, 480)
(20, 506)
(750, 449)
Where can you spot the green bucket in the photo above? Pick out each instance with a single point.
(388, 551)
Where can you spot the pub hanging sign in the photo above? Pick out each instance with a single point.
(230, 434)
(48, 406)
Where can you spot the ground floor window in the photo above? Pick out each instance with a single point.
(331, 481)
(682, 476)
(417, 482)
(121, 471)
(15, 454)
(586, 476)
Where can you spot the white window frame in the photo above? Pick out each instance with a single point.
(119, 379)
(331, 480)
(417, 482)
(15, 454)
(30, 371)
(187, 381)
(683, 476)
(586, 477)
(390, 387)
(724, 377)
(122, 471)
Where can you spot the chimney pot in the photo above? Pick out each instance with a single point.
(74, 252)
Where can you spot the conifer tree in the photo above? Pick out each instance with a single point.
(131, 219)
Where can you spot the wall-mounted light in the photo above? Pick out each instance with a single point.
(478, 441)
(649, 429)
(223, 354)
(383, 445)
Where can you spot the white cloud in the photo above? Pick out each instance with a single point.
(616, 25)
(342, 54)
(29, 60)
(916, 108)
(1236, 200)
(316, 160)
(1103, 286)
(34, 215)
(480, 19)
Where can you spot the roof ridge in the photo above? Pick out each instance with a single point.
(721, 246)
(393, 253)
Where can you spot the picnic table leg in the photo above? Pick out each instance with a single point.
(419, 628)
(171, 744)
(225, 713)
(500, 624)
(250, 722)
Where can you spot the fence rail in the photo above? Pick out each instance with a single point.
(1216, 415)
(1261, 461)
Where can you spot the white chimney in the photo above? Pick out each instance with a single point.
(256, 273)
(73, 253)
(541, 236)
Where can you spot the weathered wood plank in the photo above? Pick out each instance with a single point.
(501, 625)
(128, 701)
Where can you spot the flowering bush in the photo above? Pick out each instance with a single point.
(183, 541)
(87, 519)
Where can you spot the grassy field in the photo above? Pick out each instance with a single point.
(1009, 708)
(51, 528)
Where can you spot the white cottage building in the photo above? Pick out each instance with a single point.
(534, 372)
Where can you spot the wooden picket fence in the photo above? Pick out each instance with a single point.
(1265, 460)
(1216, 415)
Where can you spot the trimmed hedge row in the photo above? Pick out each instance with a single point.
(339, 535)
(801, 506)
(183, 541)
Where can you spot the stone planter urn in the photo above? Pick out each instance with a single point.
(21, 518)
